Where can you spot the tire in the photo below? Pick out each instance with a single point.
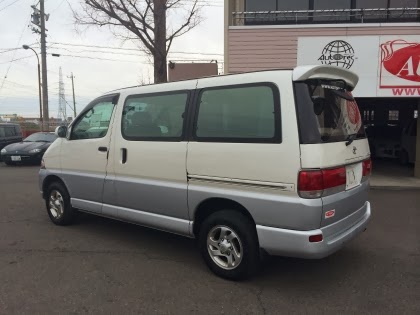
(233, 238)
(404, 158)
(58, 204)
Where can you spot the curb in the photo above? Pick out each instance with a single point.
(396, 188)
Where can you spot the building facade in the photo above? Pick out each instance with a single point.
(377, 39)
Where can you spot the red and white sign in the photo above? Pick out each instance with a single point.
(351, 116)
(400, 67)
(388, 66)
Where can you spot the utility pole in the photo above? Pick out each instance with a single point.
(46, 119)
(74, 97)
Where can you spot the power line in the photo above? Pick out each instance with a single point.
(57, 7)
(14, 54)
(123, 53)
(206, 3)
(98, 58)
(11, 61)
(4, 8)
(128, 49)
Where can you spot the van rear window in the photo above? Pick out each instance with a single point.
(327, 112)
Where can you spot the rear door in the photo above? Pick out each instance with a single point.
(334, 144)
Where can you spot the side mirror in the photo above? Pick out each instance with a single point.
(61, 131)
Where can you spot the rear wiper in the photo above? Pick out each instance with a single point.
(41, 141)
(350, 139)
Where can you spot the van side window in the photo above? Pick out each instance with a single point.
(94, 123)
(154, 117)
(244, 113)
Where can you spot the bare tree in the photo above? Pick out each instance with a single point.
(144, 20)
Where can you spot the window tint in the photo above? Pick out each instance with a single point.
(244, 114)
(373, 4)
(398, 14)
(2, 133)
(295, 5)
(403, 4)
(260, 5)
(331, 5)
(94, 123)
(154, 117)
(326, 112)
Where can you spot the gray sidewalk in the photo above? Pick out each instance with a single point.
(389, 175)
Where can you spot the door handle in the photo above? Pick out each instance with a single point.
(103, 149)
(123, 155)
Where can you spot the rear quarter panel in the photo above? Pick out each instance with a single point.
(256, 170)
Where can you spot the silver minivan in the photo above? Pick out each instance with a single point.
(273, 161)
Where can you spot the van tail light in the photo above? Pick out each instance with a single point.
(367, 167)
(311, 184)
(317, 183)
(42, 164)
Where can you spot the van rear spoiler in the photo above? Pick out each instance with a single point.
(303, 73)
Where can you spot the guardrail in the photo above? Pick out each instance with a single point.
(327, 16)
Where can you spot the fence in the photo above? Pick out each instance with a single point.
(327, 16)
(29, 128)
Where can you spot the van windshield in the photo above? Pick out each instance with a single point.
(327, 112)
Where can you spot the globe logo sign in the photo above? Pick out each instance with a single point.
(338, 53)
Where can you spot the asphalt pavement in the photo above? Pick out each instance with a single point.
(100, 266)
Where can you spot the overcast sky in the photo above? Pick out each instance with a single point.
(93, 77)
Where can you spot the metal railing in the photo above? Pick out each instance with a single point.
(327, 16)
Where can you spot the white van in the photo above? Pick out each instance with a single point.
(274, 161)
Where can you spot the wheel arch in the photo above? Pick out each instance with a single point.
(212, 205)
(48, 181)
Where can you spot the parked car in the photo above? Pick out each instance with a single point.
(273, 161)
(384, 141)
(9, 133)
(408, 143)
(30, 150)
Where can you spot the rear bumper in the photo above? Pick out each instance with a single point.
(291, 243)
